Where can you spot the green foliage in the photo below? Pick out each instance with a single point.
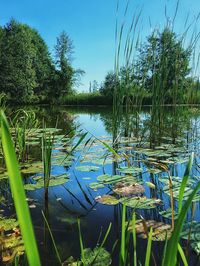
(163, 65)
(25, 64)
(86, 99)
(159, 71)
(27, 71)
(65, 75)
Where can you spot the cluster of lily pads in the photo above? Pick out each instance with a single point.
(128, 186)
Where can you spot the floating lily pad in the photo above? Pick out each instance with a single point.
(168, 214)
(130, 170)
(97, 257)
(102, 161)
(154, 171)
(54, 181)
(140, 202)
(193, 230)
(176, 181)
(30, 186)
(126, 189)
(95, 186)
(109, 179)
(32, 168)
(160, 229)
(107, 199)
(87, 168)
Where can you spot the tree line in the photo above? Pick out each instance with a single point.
(28, 72)
(161, 70)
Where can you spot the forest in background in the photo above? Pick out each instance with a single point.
(29, 74)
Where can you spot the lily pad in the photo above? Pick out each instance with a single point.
(168, 214)
(109, 179)
(140, 202)
(160, 229)
(107, 199)
(126, 189)
(97, 257)
(95, 186)
(194, 231)
(87, 168)
(130, 170)
(54, 181)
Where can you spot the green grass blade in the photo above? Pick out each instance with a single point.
(52, 238)
(181, 252)
(134, 240)
(172, 246)
(165, 249)
(111, 149)
(123, 237)
(184, 182)
(76, 145)
(18, 194)
(81, 243)
(148, 252)
(102, 243)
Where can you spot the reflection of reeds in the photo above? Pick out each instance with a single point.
(52, 239)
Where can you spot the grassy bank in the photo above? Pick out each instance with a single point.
(95, 99)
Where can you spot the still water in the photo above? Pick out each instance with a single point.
(145, 140)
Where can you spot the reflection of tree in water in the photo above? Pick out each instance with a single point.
(167, 124)
(153, 126)
(55, 117)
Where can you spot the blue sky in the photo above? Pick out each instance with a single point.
(91, 25)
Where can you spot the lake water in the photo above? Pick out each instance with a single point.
(173, 134)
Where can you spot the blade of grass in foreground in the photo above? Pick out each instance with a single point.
(123, 237)
(134, 239)
(19, 196)
(81, 243)
(184, 182)
(172, 245)
(148, 252)
(181, 252)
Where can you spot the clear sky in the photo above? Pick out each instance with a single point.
(91, 25)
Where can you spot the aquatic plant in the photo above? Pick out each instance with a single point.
(23, 124)
(47, 145)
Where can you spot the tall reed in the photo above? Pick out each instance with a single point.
(47, 145)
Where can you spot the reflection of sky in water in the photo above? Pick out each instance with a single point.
(92, 123)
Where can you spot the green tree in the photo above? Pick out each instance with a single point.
(109, 84)
(43, 66)
(25, 63)
(66, 77)
(163, 65)
(64, 73)
(17, 77)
